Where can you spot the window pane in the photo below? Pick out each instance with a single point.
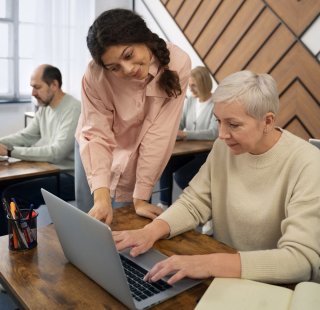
(4, 42)
(5, 8)
(26, 41)
(25, 71)
(6, 77)
(27, 10)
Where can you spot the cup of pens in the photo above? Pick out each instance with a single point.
(22, 227)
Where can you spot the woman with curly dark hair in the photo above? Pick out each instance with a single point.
(132, 97)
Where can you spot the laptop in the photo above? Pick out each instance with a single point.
(88, 244)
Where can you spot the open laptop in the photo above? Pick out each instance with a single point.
(88, 244)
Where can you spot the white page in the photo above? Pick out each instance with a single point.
(306, 296)
(240, 294)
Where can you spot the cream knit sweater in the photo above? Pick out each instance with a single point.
(266, 206)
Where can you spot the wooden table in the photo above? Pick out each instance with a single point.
(184, 147)
(26, 169)
(42, 278)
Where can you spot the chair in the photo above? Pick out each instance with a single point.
(315, 142)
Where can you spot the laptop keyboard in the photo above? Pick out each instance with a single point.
(139, 288)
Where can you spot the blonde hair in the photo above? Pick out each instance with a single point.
(202, 77)
(257, 92)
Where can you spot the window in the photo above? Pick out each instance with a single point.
(34, 32)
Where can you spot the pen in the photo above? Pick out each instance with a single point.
(6, 207)
(14, 231)
(29, 217)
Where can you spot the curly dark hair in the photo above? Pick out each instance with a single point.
(120, 26)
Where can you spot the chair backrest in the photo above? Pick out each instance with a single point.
(315, 142)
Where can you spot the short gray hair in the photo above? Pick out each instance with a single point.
(257, 92)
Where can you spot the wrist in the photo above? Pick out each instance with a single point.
(137, 202)
(158, 229)
(102, 193)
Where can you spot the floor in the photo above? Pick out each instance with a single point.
(6, 302)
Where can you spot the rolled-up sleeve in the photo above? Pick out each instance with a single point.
(94, 133)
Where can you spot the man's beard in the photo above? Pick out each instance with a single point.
(46, 102)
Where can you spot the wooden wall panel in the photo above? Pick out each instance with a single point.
(297, 14)
(186, 11)
(279, 42)
(200, 18)
(263, 36)
(216, 25)
(262, 28)
(229, 39)
(173, 6)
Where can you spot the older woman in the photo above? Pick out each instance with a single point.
(260, 187)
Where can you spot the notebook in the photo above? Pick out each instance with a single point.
(242, 294)
(88, 244)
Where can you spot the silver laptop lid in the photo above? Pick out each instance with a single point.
(96, 257)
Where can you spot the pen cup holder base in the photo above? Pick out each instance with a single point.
(22, 232)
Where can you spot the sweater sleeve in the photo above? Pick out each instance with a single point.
(26, 137)
(60, 146)
(95, 134)
(194, 206)
(157, 144)
(297, 256)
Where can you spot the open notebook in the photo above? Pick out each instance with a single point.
(240, 294)
(9, 159)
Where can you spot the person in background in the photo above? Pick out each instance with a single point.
(197, 123)
(49, 137)
(132, 99)
(259, 186)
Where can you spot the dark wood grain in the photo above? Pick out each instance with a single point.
(191, 146)
(42, 278)
(25, 169)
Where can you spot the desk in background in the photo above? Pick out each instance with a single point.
(185, 147)
(28, 170)
(42, 278)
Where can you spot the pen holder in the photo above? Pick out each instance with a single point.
(22, 231)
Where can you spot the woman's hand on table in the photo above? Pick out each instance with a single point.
(102, 208)
(145, 209)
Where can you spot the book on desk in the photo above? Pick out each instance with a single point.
(241, 294)
(9, 159)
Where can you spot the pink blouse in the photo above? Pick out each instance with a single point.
(127, 128)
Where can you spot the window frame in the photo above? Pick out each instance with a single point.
(13, 20)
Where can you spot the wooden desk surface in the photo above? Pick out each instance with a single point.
(25, 169)
(185, 147)
(42, 278)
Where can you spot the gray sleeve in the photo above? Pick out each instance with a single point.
(25, 137)
(61, 145)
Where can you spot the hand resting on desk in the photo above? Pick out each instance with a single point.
(145, 209)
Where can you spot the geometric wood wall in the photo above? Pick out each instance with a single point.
(262, 36)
